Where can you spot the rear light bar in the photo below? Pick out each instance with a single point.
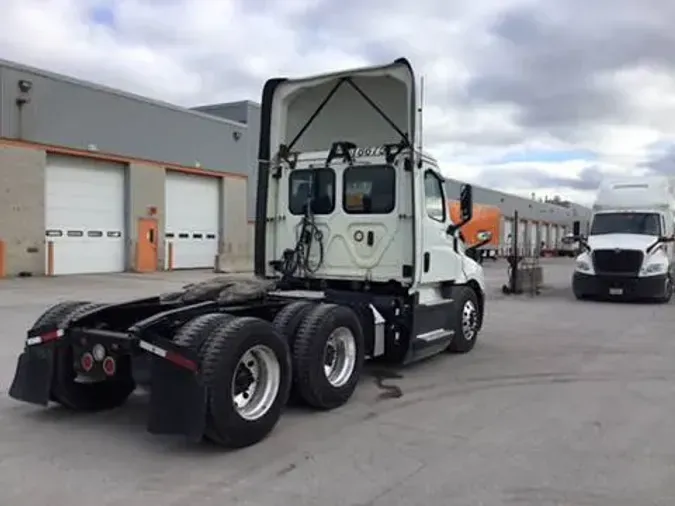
(169, 355)
(47, 337)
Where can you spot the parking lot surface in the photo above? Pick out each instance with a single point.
(560, 403)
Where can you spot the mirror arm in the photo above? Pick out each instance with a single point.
(660, 240)
(454, 227)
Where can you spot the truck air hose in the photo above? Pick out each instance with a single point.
(298, 258)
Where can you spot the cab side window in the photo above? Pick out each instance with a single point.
(433, 197)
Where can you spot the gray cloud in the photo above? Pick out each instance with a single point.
(589, 179)
(553, 61)
(664, 161)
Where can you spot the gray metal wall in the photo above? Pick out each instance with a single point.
(248, 113)
(528, 209)
(66, 112)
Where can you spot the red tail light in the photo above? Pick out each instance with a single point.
(87, 362)
(109, 366)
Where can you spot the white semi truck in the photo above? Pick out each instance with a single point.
(628, 252)
(356, 258)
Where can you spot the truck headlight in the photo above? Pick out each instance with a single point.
(654, 268)
(583, 266)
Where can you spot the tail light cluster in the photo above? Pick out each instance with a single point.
(98, 354)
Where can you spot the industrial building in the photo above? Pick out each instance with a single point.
(96, 180)
(540, 223)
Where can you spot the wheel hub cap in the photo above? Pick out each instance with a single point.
(256, 382)
(469, 320)
(339, 356)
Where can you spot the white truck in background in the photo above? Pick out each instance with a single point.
(629, 250)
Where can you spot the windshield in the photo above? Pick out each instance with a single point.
(626, 223)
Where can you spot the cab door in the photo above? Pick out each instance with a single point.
(440, 254)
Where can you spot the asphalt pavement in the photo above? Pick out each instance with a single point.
(560, 403)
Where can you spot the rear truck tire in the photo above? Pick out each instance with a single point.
(328, 356)
(65, 390)
(196, 332)
(246, 368)
(287, 322)
(468, 320)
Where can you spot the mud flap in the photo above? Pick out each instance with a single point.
(177, 396)
(33, 377)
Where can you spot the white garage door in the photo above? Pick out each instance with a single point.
(84, 215)
(507, 236)
(534, 239)
(192, 219)
(522, 234)
(554, 236)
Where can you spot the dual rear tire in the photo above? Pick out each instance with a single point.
(328, 352)
(250, 366)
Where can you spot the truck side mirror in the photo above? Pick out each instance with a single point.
(465, 208)
(576, 228)
(466, 202)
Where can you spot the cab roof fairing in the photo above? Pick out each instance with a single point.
(310, 114)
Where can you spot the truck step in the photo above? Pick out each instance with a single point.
(435, 335)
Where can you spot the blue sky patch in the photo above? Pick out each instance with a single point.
(102, 15)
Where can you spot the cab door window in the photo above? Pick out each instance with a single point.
(434, 198)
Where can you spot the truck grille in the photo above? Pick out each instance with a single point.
(617, 261)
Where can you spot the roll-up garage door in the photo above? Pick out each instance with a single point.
(554, 236)
(192, 219)
(84, 216)
(544, 234)
(507, 236)
(534, 238)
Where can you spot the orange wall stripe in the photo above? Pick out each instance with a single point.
(109, 157)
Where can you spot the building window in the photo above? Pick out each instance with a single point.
(369, 189)
(316, 186)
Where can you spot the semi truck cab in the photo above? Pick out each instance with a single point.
(628, 252)
(356, 257)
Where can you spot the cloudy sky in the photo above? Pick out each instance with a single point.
(543, 96)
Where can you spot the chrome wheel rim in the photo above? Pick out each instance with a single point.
(256, 382)
(469, 320)
(339, 356)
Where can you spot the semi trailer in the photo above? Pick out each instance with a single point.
(356, 258)
(628, 251)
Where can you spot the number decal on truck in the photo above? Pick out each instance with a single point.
(368, 151)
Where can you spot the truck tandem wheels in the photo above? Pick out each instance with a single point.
(221, 377)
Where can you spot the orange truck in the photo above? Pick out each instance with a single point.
(485, 219)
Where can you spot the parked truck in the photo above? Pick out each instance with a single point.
(356, 257)
(485, 218)
(628, 252)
